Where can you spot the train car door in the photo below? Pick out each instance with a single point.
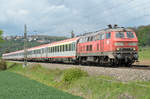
(108, 42)
(102, 37)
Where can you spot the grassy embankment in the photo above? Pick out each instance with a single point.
(144, 53)
(78, 82)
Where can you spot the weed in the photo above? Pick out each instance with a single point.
(73, 74)
(3, 65)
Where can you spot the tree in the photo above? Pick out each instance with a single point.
(1, 38)
(144, 35)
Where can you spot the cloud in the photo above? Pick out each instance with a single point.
(60, 17)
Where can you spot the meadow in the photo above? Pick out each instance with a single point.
(15, 86)
(78, 82)
(144, 53)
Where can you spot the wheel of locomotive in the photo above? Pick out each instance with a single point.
(128, 64)
(116, 63)
(81, 61)
(112, 62)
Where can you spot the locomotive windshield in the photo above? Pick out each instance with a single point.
(120, 35)
(130, 35)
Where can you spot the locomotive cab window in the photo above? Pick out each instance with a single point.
(130, 35)
(108, 35)
(120, 35)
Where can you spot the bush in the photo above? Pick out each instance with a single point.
(3, 65)
(73, 74)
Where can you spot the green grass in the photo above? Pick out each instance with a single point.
(95, 88)
(14, 86)
(144, 53)
(90, 87)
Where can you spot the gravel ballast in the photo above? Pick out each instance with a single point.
(121, 74)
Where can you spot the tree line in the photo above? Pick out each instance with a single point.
(143, 34)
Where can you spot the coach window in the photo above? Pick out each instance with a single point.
(108, 35)
(70, 46)
(74, 46)
(103, 36)
(51, 49)
(60, 48)
(66, 47)
(39, 52)
(91, 38)
(48, 49)
(42, 50)
(56, 48)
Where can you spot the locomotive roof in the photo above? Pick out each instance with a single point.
(119, 29)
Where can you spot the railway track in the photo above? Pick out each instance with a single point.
(135, 66)
(139, 67)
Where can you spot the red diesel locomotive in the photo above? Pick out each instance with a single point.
(114, 46)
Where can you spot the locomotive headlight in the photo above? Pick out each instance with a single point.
(134, 49)
(132, 44)
(118, 49)
(119, 44)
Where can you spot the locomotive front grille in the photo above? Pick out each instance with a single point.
(126, 49)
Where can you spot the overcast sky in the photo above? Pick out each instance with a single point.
(60, 17)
